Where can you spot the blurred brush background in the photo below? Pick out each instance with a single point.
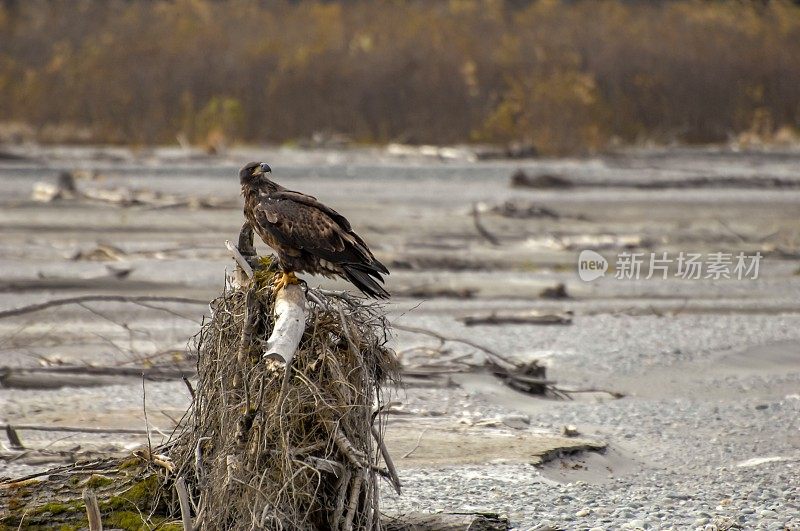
(565, 77)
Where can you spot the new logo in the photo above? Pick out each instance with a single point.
(591, 265)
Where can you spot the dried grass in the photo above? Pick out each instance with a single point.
(267, 448)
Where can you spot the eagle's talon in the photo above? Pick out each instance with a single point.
(284, 279)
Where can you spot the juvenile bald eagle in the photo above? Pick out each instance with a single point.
(307, 235)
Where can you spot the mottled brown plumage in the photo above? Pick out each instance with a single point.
(307, 235)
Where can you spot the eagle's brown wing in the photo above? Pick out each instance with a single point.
(308, 230)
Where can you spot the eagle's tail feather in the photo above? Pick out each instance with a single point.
(362, 277)
(380, 267)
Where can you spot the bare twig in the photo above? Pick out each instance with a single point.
(198, 458)
(419, 439)
(188, 386)
(147, 372)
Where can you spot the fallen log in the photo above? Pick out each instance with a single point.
(435, 292)
(520, 179)
(533, 318)
(56, 377)
(70, 429)
(447, 522)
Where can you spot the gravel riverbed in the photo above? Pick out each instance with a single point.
(706, 437)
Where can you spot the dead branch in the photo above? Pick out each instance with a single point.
(419, 439)
(344, 482)
(83, 376)
(387, 458)
(96, 298)
(534, 318)
(356, 457)
(476, 218)
(71, 429)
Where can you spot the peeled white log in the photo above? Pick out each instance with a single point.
(290, 322)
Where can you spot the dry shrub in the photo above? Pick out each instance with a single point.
(264, 448)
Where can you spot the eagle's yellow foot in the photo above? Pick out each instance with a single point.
(283, 280)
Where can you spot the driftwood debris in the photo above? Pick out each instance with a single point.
(65, 188)
(531, 318)
(523, 209)
(436, 292)
(520, 179)
(436, 366)
(559, 291)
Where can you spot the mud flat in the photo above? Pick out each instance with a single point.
(708, 429)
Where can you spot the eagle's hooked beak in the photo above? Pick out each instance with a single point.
(260, 170)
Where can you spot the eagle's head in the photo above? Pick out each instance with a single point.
(254, 174)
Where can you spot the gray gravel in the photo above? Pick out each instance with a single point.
(683, 464)
(717, 448)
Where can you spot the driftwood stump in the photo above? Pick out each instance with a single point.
(284, 430)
